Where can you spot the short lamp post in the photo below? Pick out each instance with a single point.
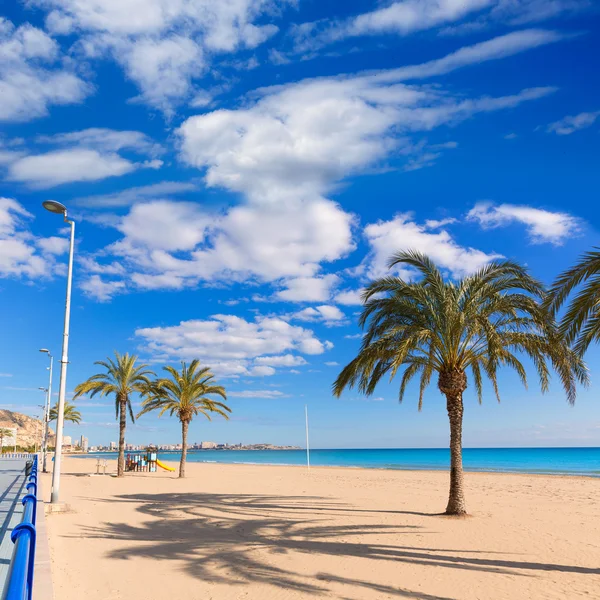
(46, 433)
(60, 209)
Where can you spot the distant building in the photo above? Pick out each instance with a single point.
(67, 441)
(113, 446)
(9, 439)
(208, 445)
(84, 444)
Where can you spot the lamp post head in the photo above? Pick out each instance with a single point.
(45, 350)
(55, 207)
(43, 389)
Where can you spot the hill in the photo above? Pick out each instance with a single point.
(29, 430)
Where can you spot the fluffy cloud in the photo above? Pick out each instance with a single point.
(285, 360)
(542, 225)
(284, 150)
(571, 124)
(401, 233)
(328, 314)
(21, 253)
(101, 290)
(232, 345)
(105, 140)
(404, 17)
(67, 166)
(308, 289)
(168, 44)
(163, 189)
(88, 155)
(31, 78)
(349, 297)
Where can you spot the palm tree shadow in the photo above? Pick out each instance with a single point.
(234, 538)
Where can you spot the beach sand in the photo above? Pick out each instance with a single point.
(263, 532)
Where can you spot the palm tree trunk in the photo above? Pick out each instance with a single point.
(122, 425)
(456, 501)
(184, 432)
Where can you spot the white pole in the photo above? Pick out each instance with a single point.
(64, 361)
(307, 445)
(47, 418)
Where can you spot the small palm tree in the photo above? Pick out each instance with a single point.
(185, 394)
(70, 413)
(481, 322)
(581, 322)
(4, 433)
(122, 378)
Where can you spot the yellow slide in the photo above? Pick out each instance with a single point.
(163, 466)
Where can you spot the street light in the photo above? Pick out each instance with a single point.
(46, 435)
(60, 209)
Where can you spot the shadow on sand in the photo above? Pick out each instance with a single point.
(235, 539)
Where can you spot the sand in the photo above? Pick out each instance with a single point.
(263, 532)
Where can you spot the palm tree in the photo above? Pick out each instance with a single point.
(122, 378)
(481, 322)
(4, 433)
(185, 394)
(581, 322)
(70, 413)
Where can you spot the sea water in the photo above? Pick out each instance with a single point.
(563, 461)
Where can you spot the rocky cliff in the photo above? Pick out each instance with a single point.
(29, 430)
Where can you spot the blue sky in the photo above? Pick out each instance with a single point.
(239, 170)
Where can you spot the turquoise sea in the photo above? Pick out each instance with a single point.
(564, 461)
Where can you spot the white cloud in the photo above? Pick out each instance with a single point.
(349, 297)
(402, 18)
(21, 253)
(308, 289)
(330, 315)
(332, 363)
(285, 360)
(262, 394)
(167, 44)
(401, 233)
(31, 79)
(105, 140)
(573, 123)
(127, 197)
(355, 336)
(285, 150)
(67, 166)
(437, 223)
(5, 374)
(101, 290)
(54, 245)
(261, 371)
(87, 155)
(542, 225)
(230, 344)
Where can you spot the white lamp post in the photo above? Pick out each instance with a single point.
(46, 435)
(60, 209)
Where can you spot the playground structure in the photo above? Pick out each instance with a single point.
(144, 463)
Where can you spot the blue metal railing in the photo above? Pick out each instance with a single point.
(19, 584)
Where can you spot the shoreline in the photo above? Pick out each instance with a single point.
(467, 471)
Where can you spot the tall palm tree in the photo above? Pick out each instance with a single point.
(581, 321)
(479, 323)
(185, 394)
(70, 413)
(122, 378)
